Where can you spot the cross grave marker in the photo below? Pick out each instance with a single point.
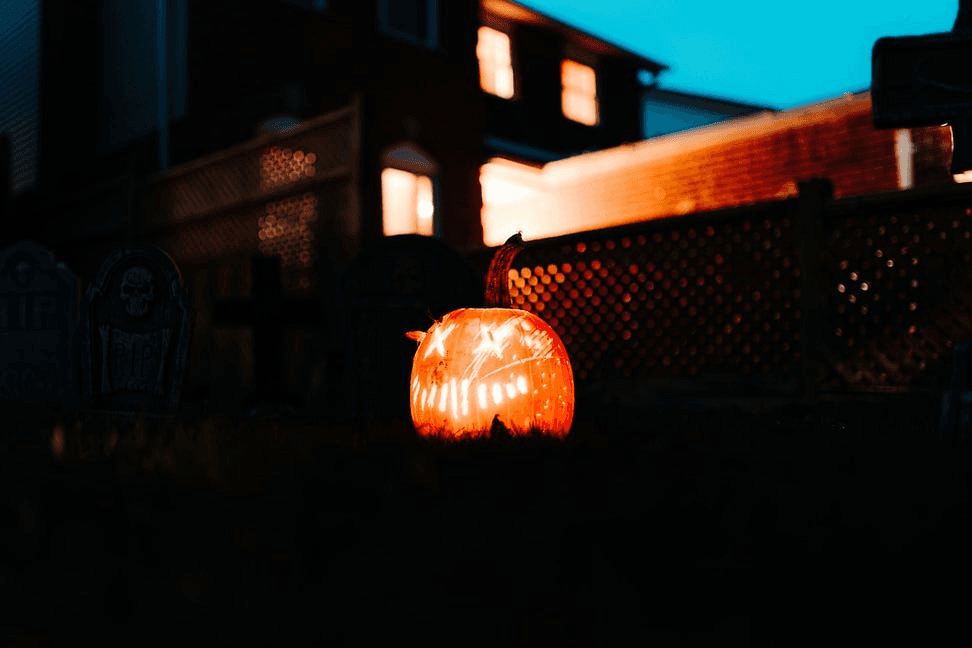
(397, 284)
(924, 81)
(268, 312)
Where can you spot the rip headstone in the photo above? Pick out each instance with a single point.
(395, 285)
(38, 321)
(135, 330)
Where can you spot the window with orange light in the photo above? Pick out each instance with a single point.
(495, 62)
(407, 203)
(579, 96)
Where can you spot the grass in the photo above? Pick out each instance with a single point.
(218, 450)
(655, 523)
(236, 454)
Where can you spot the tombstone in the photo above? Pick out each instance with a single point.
(268, 312)
(923, 81)
(135, 331)
(395, 285)
(38, 321)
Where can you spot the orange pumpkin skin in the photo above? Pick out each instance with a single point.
(479, 363)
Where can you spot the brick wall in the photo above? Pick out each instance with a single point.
(741, 161)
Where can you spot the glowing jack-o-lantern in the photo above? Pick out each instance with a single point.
(480, 366)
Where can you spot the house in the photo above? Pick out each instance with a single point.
(134, 89)
(301, 129)
(748, 159)
(669, 111)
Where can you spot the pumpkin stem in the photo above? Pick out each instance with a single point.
(498, 276)
(428, 313)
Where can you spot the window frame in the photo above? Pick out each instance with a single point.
(419, 163)
(515, 91)
(563, 89)
(433, 181)
(432, 39)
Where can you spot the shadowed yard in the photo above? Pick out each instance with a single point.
(683, 526)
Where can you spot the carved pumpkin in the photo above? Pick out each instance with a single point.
(477, 367)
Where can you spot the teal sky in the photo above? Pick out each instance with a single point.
(767, 52)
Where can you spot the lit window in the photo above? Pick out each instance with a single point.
(407, 203)
(579, 92)
(495, 65)
(510, 194)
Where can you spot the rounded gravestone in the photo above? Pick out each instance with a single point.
(38, 318)
(136, 324)
(394, 285)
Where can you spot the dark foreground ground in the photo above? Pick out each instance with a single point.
(849, 524)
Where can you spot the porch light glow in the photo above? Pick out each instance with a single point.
(407, 203)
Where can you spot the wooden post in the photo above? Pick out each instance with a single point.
(915, 81)
(955, 417)
(356, 218)
(814, 195)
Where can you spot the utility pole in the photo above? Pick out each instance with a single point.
(6, 185)
(924, 81)
(162, 80)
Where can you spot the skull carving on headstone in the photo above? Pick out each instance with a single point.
(137, 291)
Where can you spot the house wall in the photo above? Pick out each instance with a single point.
(68, 93)
(741, 161)
(310, 63)
(248, 60)
(534, 117)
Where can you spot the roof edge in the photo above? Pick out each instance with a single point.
(721, 133)
(571, 30)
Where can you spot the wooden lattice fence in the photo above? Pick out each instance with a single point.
(717, 302)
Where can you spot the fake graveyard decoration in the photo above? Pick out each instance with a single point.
(923, 81)
(268, 313)
(397, 284)
(38, 326)
(291, 196)
(135, 334)
(478, 371)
